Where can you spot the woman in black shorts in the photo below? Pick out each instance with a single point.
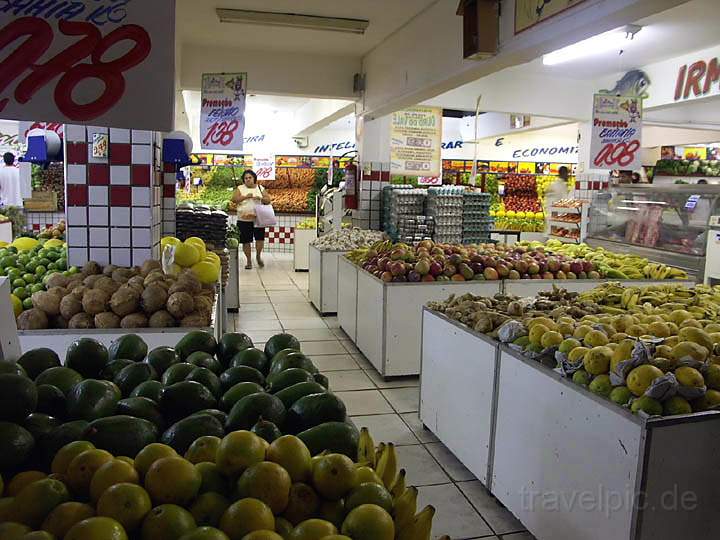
(247, 196)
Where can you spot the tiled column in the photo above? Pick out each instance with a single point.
(168, 201)
(113, 203)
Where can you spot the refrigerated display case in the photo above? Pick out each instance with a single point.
(666, 223)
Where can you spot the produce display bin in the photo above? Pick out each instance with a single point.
(389, 318)
(347, 296)
(458, 374)
(301, 249)
(323, 280)
(6, 234)
(530, 287)
(564, 461)
(60, 340)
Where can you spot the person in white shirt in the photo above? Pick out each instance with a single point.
(10, 182)
(247, 196)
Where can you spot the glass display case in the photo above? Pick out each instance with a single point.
(666, 223)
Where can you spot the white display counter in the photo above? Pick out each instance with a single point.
(301, 249)
(530, 287)
(323, 279)
(389, 318)
(564, 461)
(347, 297)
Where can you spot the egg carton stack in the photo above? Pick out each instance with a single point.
(412, 230)
(202, 222)
(445, 206)
(477, 222)
(405, 203)
(386, 203)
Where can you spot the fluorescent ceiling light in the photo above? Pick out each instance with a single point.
(613, 40)
(293, 20)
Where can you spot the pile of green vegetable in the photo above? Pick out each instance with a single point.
(125, 397)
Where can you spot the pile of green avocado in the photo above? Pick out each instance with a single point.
(123, 398)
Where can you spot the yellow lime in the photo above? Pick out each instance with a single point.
(167, 522)
(203, 449)
(186, 255)
(37, 500)
(206, 272)
(238, 450)
(246, 516)
(292, 454)
(212, 479)
(113, 472)
(11, 530)
(367, 474)
(6, 509)
(333, 476)
(303, 503)
(369, 522)
(312, 529)
(17, 305)
(173, 480)
(169, 241)
(97, 528)
(126, 503)
(205, 533)
(208, 508)
(83, 467)
(150, 454)
(268, 482)
(64, 516)
(23, 479)
(262, 535)
(67, 453)
(199, 244)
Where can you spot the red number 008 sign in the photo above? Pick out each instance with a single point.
(73, 68)
(620, 154)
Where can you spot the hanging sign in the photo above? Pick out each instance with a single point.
(222, 111)
(429, 181)
(416, 142)
(616, 132)
(103, 62)
(264, 167)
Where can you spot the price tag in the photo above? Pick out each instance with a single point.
(264, 167)
(103, 61)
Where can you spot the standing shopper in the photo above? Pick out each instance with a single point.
(10, 182)
(248, 195)
(555, 192)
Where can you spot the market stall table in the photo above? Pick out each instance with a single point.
(323, 279)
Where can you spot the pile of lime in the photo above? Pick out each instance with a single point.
(28, 264)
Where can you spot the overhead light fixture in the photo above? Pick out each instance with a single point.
(608, 41)
(293, 20)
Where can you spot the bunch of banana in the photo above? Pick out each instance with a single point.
(630, 297)
(409, 523)
(663, 271)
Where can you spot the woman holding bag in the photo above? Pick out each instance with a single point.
(247, 196)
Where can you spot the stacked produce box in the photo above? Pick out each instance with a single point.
(385, 204)
(445, 206)
(477, 222)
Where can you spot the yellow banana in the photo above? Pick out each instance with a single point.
(421, 526)
(378, 452)
(387, 465)
(404, 509)
(398, 488)
(366, 448)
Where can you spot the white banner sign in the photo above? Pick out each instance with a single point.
(99, 62)
(616, 132)
(264, 167)
(415, 142)
(222, 111)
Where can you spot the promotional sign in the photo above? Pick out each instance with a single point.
(416, 142)
(429, 181)
(264, 167)
(222, 111)
(103, 62)
(616, 132)
(528, 13)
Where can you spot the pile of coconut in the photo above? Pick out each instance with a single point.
(115, 297)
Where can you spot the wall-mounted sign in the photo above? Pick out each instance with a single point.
(100, 144)
(528, 13)
(697, 79)
(222, 111)
(415, 142)
(57, 52)
(264, 167)
(616, 132)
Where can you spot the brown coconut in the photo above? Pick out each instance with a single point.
(95, 301)
(107, 319)
(162, 319)
(134, 320)
(47, 302)
(150, 266)
(58, 291)
(137, 283)
(204, 305)
(91, 280)
(106, 284)
(58, 322)
(57, 280)
(81, 321)
(125, 301)
(154, 298)
(109, 269)
(32, 319)
(70, 305)
(195, 320)
(180, 305)
(91, 268)
(80, 290)
(122, 275)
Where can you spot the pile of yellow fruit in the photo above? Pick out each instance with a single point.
(193, 254)
(646, 334)
(235, 488)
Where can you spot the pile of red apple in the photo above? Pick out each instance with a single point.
(444, 262)
(521, 193)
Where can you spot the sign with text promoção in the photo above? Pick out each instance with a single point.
(416, 142)
(98, 62)
(616, 132)
(222, 111)
(264, 167)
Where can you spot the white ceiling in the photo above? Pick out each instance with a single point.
(198, 24)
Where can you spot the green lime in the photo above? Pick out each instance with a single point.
(21, 293)
(62, 264)
(52, 267)
(8, 262)
(3, 252)
(30, 267)
(28, 303)
(23, 259)
(3, 272)
(19, 282)
(29, 278)
(11, 249)
(41, 270)
(53, 255)
(43, 252)
(73, 270)
(13, 274)
(36, 287)
(44, 261)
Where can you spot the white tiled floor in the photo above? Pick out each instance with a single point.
(275, 299)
